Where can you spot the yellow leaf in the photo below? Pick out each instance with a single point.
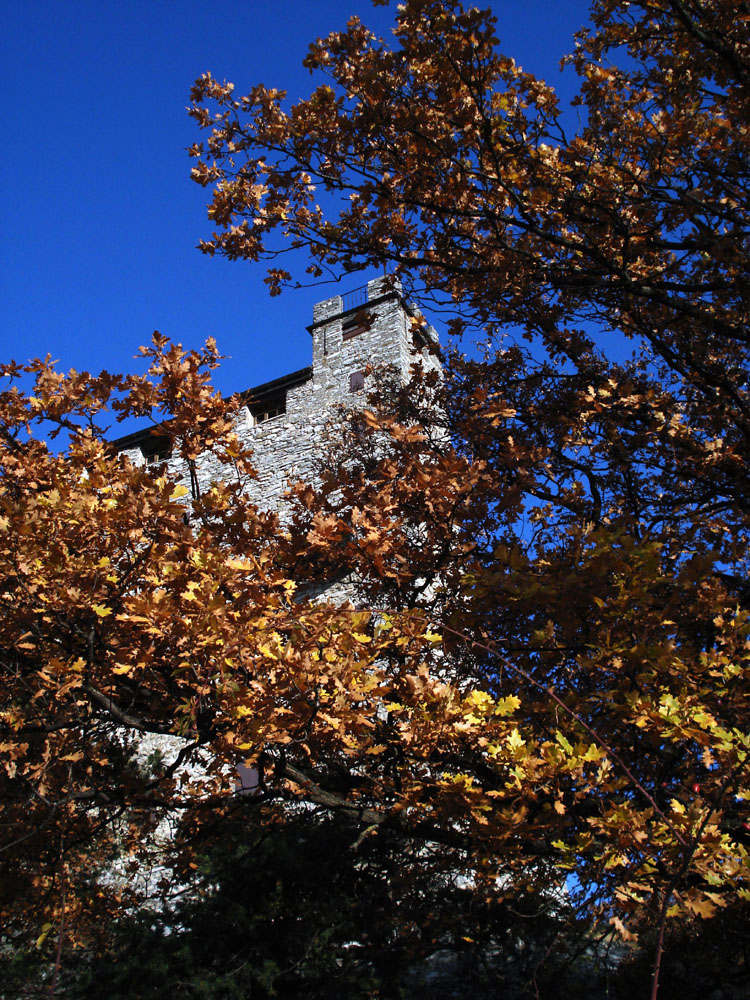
(564, 742)
(178, 492)
(101, 610)
(515, 740)
(235, 563)
(702, 907)
(506, 706)
(46, 928)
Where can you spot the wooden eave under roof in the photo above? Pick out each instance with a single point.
(257, 396)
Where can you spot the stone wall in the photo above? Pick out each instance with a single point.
(371, 327)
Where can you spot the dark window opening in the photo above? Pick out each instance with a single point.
(356, 381)
(356, 324)
(157, 450)
(267, 414)
(268, 406)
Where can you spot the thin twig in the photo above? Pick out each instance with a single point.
(61, 931)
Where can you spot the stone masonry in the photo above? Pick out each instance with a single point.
(283, 421)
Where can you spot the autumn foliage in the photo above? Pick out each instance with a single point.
(543, 676)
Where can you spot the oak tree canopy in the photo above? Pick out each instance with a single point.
(545, 676)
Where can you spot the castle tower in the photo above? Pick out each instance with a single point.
(370, 326)
(284, 420)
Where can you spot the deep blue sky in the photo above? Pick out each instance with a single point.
(99, 218)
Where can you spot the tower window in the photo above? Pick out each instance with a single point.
(356, 381)
(356, 324)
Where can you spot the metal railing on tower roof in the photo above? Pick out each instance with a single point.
(356, 297)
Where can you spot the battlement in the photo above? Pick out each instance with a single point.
(283, 420)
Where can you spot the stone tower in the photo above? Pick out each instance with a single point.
(283, 421)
